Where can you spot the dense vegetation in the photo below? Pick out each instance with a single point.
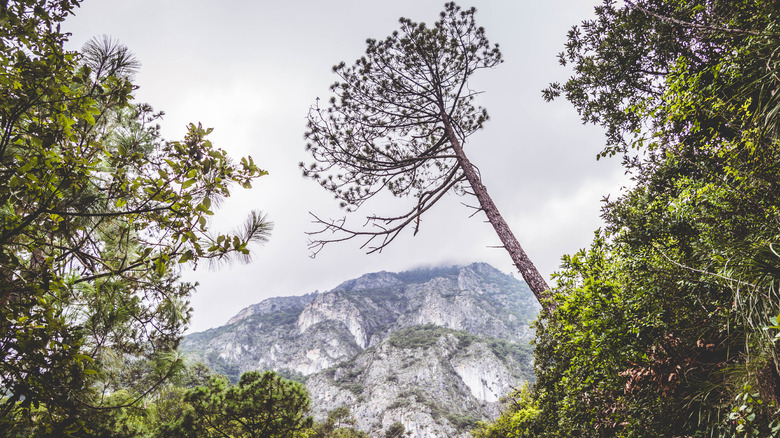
(97, 214)
(667, 325)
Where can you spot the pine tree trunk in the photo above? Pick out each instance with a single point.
(519, 257)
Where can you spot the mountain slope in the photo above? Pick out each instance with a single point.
(432, 348)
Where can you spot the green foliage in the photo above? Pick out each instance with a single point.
(121, 413)
(97, 216)
(295, 376)
(422, 336)
(461, 422)
(339, 424)
(665, 325)
(744, 420)
(260, 405)
(395, 430)
(223, 367)
(517, 419)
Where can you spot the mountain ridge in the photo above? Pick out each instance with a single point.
(434, 348)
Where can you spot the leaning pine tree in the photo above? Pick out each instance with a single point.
(398, 121)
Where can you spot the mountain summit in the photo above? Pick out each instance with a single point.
(432, 348)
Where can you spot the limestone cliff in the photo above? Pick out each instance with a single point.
(432, 348)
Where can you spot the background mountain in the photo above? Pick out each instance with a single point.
(432, 348)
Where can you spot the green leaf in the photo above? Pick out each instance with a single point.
(187, 256)
(80, 357)
(89, 118)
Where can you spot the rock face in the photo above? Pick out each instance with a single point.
(272, 305)
(432, 348)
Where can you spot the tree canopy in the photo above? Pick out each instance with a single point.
(667, 324)
(339, 424)
(97, 215)
(398, 122)
(261, 405)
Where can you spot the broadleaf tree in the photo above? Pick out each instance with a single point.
(668, 324)
(97, 216)
(397, 122)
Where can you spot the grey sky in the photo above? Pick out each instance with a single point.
(251, 69)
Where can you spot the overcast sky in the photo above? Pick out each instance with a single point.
(251, 70)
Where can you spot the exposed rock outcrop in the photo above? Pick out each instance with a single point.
(432, 348)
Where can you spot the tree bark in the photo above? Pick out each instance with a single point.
(519, 257)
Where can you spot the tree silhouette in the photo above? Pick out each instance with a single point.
(397, 123)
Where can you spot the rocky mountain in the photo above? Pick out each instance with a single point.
(432, 348)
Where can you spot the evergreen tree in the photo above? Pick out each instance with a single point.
(398, 122)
